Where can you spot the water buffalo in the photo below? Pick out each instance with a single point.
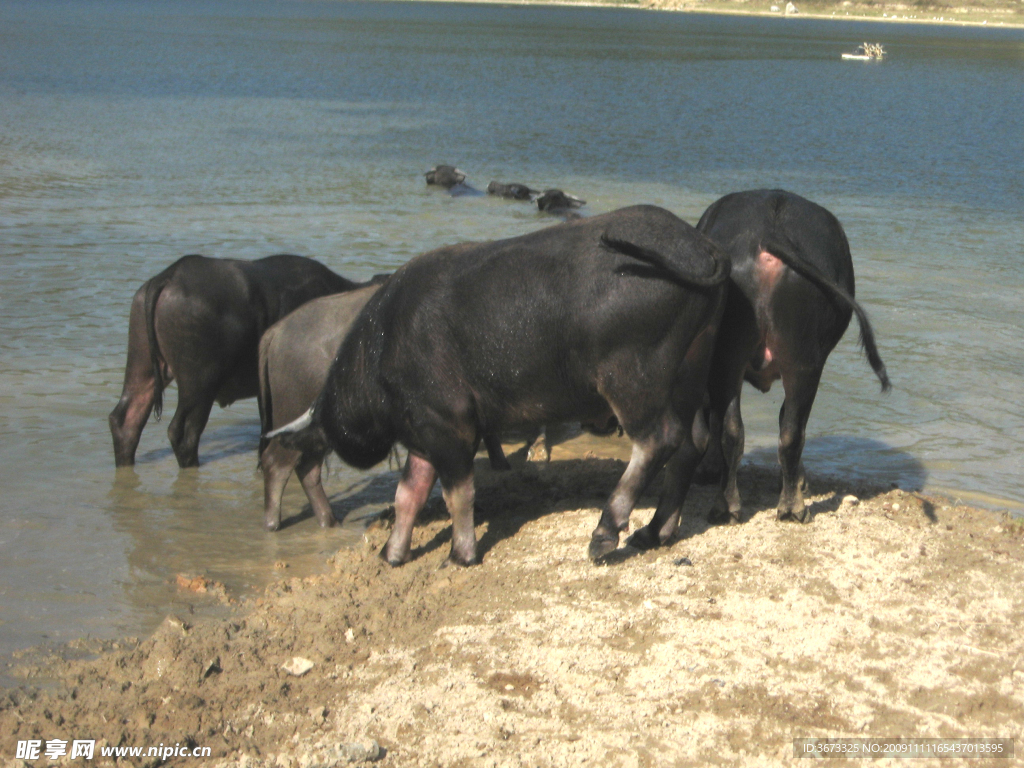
(610, 315)
(790, 299)
(295, 356)
(199, 323)
(511, 191)
(445, 176)
(558, 202)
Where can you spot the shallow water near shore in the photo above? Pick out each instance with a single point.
(133, 133)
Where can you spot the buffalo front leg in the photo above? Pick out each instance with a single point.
(711, 467)
(801, 387)
(459, 497)
(418, 476)
(276, 463)
(647, 458)
(679, 472)
(727, 505)
(539, 447)
(495, 452)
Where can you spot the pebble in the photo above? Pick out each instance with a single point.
(360, 753)
(297, 666)
(851, 500)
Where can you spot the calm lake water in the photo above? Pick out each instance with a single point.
(132, 132)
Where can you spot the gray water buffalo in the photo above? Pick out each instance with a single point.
(613, 315)
(511, 191)
(295, 355)
(199, 323)
(790, 299)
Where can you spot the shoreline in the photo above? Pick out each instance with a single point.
(892, 614)
(979, 17)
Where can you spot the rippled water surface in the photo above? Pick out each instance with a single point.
(134, 132)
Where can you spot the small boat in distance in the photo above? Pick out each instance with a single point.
(866, 52)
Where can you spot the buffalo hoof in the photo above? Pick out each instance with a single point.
(454, 559)
(539, 451)
(721, 514)
(602, 545)
(794, 514)
(272, 525)
(644, 539)
(326, 522)
(394, 562)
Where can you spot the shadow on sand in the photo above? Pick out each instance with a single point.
(505, 501)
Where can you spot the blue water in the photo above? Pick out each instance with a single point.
(134, 132)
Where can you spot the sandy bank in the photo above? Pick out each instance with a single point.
(897, 615)
(992, 14)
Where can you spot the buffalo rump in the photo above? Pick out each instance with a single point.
(790, 299)
(199, 323)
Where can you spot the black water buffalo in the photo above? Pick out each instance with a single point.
(445, 176)
(295, 355)
(610, 315)
(511, 191)
(557, 201)
(790, 299)
(199, 323)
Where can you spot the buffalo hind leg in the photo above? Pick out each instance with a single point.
(647, 458)
(418, 476)
(310, 471)
(801, 388)
(277, 463)
(140, 390)
(187, 426)
(129, 418)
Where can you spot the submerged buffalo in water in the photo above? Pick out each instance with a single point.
(199, 323)
(444, 176)
(611, 315)
(558, 202)
(790, 299)
(512, 191)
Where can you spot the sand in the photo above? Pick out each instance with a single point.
(892, 615)
(1000, 13)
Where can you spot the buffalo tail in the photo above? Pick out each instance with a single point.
(665, 264)
(788, 252)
